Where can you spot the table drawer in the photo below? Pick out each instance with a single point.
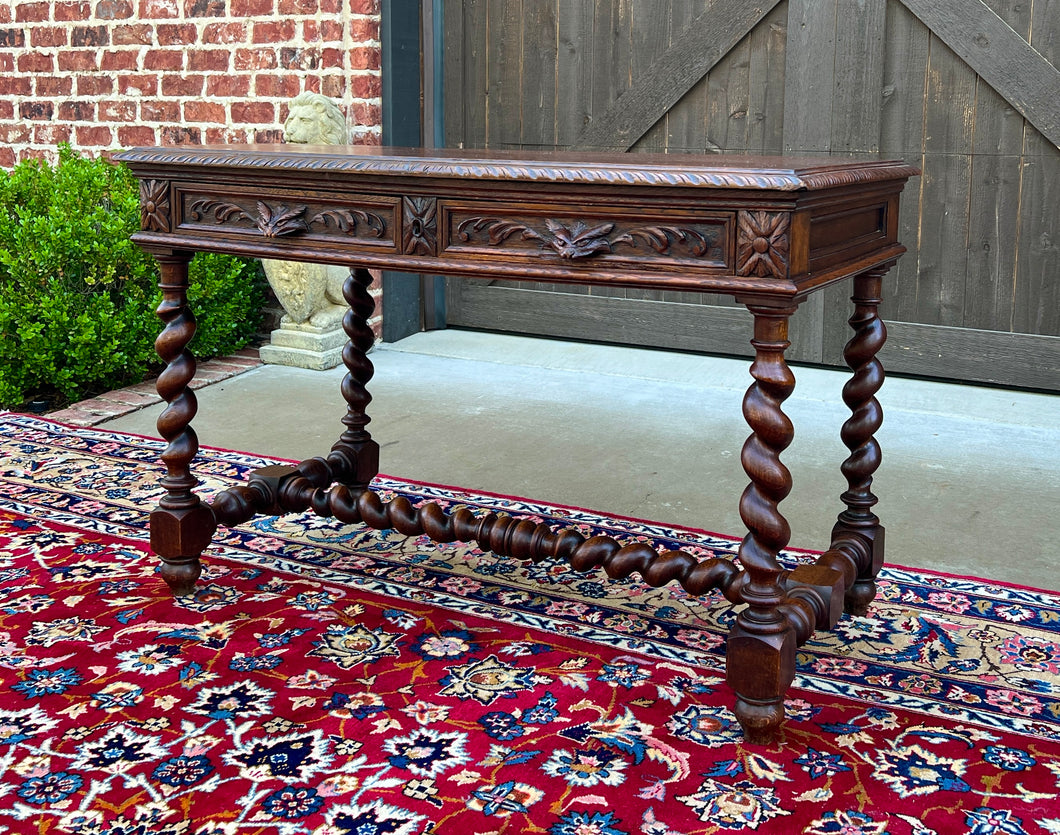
(655, 241)
(367, 220)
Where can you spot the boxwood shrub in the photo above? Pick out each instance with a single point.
(77, 297)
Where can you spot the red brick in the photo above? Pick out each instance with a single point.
(298, 7)
(158, 9)
(74, 60)
(204, 8)
(297, 58)
(365, 113)
(204, 111)
(253, 113)
(129, 136)
(331, 58)
(224, 33)
(152, 110)
(122, 110)
(333, 7)
(7, 110)
(14, 135)
(365, 86)
(164, 59)
(262, 58)
(31, 12)
(31, 62)
(333, 86)
(364, 7)
(42, 36)
(312, 84)
(53, 85)
(11, 85)
(41, 154)
(90, 36)
(228, 86)
(77, 111)
(15, 38)
(7, 157)
(312, 31)
(176, 34)
(207, 60)
(114, 10)
(77, 10)
(51, 134)
(118, 60)
(7, 62)
(138, 85)
(94, 135)
(136, 34)
(364, 29)
(7, 15)
(274, 31)
(36, 110)
(95, 85)
(178, 135)
(183, 85)
(276, 86)
(252, 8)
(364, 58)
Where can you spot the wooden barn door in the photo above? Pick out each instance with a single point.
(966, 89)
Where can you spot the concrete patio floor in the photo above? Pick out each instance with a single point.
(970, 482)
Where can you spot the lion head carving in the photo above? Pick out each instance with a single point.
(314, 120)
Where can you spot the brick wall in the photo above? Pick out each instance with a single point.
(105, 74)
(108, 74)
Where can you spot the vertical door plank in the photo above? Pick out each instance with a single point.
(1037, 291)
(504, 46)
(537, 110)
(686, 122)
(649, 37)
(902, 135)
(809, 75)
(809, 78)
(574, 69)
(857, 96)
(765, 105)
(995, 195)
(948, 133)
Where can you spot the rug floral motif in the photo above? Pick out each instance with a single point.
(328, 680)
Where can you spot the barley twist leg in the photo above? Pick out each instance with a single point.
(760, 655)
(181, 525)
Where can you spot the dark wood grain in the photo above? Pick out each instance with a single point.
(769, 232)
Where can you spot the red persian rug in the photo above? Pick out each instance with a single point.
(327, 680)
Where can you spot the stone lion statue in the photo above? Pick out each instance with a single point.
(311, 294)
(314, 119)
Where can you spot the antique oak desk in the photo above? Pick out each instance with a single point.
(768, 232)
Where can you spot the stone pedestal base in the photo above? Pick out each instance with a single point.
(304, 346)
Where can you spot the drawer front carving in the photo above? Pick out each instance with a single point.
(370, 221)
(563, 236)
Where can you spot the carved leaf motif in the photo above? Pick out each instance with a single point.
(275, 223)
(154, 205)
(660, 238)
(345, 220)
(222, 212)
(420, 228)
(762, 247)
(499, 230)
